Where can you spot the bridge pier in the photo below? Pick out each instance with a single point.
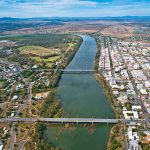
(92, 123)
(77, 120)
(92, 120)
(107, 122)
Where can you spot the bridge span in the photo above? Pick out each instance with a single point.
(72, 120)
(78, 71)
(68, 71)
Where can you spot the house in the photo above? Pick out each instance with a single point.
(130, 137)
(133, 139)
(136, 107)
(20, 86)
(136, 66)
(115, 87)
(34, 67)
(122, 87)
(134, 145)
(130, 114)
(124, 73)
(12, 114)
(147, 139)
(147, 84)
(1, 145)
(112, 81)
(130, 86)
(131, 93)
(5, 131)
(122, 98)
(138, 75)
(139, 86)
(143, 91)
(15, 97)
(115, 93)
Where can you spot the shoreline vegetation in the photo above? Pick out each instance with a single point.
(69, 57)
(115, 137)
(53, 108)
(114, 142)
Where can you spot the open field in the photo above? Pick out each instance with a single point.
(38, 51)
(126, 31)
(48, 60)
(41, 55)
(119, 31)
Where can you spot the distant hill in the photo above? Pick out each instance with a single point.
(9, 19)
(9, 24)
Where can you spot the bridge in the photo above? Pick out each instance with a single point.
(78, 71)
(72, 120)
(68, 71)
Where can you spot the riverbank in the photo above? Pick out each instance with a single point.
(115, 138)
(67, 59)
(51, 107)
(78, 92)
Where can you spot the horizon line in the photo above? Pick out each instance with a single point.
(74, 17)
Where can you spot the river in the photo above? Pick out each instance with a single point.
(82, 96)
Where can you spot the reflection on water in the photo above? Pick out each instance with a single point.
(82, 96)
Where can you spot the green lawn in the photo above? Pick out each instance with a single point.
(41, 55)
(49, 61)
(49, 65)
(37, 51)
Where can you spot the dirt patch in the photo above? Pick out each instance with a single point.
(42, 95)
(119, 31)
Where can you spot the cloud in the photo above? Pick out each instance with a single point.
(76, 8)
(50, 2)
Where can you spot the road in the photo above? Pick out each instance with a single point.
(72, 120)
(21, 144)
(124, 137)
(30, 98)
(13, 135)
(67, 71)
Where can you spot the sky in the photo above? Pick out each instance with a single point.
(73, 8)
